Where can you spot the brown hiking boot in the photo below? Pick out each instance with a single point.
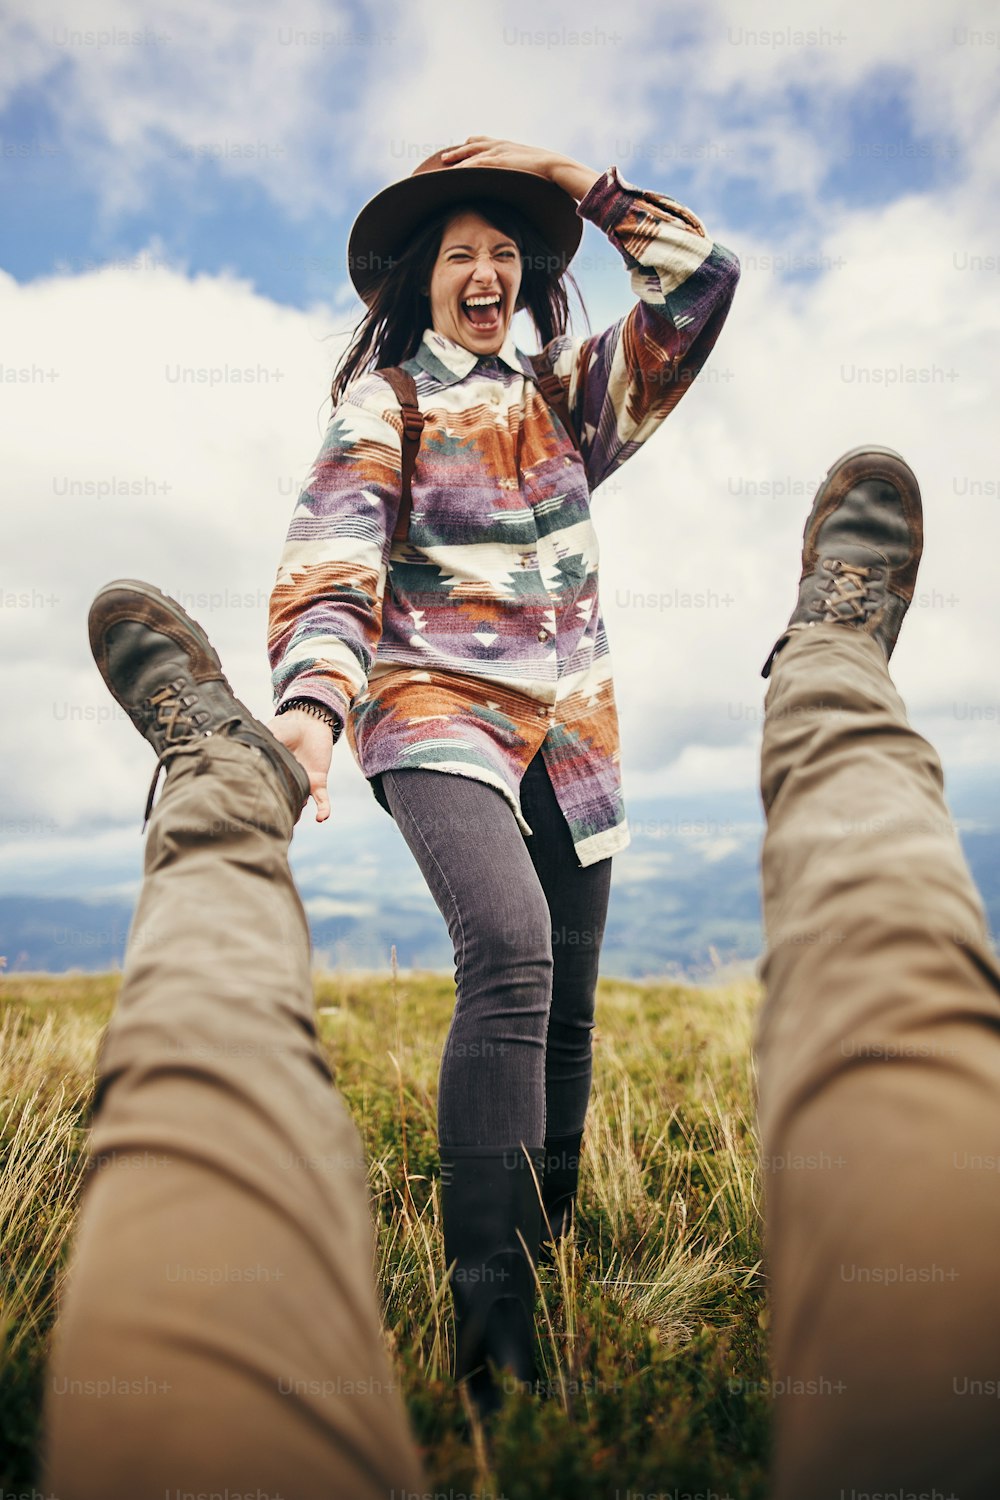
(161, 667)
(861, 549)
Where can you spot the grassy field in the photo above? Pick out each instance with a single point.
(652, 1329)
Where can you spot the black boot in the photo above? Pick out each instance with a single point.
(486, 1197)
(562, 1173)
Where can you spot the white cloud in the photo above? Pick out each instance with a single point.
(162, 431)
(793, 77)
(320, 907)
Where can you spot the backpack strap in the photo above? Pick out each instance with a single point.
(405, 389)
(555, 393)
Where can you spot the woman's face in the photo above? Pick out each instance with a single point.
(474, 260)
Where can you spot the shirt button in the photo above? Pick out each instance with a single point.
(543, 635)
(543, 713)
(496, 397)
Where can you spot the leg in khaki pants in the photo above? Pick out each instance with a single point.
(879, 1077)
(219, 1332)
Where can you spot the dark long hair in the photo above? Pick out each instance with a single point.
(391, 329)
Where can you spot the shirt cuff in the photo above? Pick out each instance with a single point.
(607, 200)
(613, 197)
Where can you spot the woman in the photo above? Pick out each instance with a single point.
(474, 645)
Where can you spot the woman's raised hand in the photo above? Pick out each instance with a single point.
(311, 742)
(487, 151)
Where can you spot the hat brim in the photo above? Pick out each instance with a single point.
(388, 220)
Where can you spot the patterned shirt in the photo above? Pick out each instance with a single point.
(479, 640)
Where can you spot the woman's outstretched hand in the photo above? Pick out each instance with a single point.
(311, 742)
(487, 151)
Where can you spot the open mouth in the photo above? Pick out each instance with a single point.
(483, 312)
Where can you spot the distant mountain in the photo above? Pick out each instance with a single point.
(685, 900)
(59, 933)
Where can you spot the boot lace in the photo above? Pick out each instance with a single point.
(848, 586)
(175, 714)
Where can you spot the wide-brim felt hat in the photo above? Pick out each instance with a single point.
(384, 226)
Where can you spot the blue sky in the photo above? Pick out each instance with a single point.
(179, 183)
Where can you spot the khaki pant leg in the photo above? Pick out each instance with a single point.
(219, 1332)
(879, 1077)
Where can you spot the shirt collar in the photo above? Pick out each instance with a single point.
(449, 362)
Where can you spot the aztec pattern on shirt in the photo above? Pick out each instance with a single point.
(479, 638)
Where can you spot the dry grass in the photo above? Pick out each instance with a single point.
(643, 1322)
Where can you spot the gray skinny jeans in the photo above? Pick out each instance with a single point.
(527, 922)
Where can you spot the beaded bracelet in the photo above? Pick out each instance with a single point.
(316, 710)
